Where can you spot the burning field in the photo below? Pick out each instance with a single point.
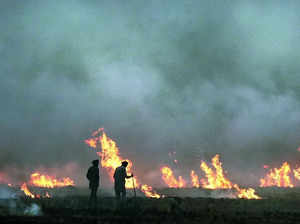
(208, 195)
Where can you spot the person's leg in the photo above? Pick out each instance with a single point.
(117, 192)
(95, 197)
(91, 198)
(123, 194)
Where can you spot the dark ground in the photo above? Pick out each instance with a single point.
(285, 208)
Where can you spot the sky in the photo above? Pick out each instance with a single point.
(192, 77)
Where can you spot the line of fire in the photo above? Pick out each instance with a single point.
(210, 175)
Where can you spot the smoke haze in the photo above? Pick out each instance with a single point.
(195, 77)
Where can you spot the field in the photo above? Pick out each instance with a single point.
(70, 205)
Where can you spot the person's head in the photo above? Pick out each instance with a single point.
(95, 162)
(124, 163)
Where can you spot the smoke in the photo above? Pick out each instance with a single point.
(10, 200)
(194, 77)
(33, 210)
(7, 193)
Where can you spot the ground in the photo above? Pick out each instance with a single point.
(277, 206)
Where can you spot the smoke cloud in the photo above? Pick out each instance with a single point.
(195, 77)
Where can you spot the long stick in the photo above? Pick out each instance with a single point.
(133, 187)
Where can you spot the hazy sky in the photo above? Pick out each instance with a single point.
(195, 77)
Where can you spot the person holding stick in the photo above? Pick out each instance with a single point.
(119, 176)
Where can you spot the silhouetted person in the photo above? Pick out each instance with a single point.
(93, 177)
(120, 175)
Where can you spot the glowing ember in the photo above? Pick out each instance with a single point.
(27, 191)
(266, 167)
(278, 177)
(169, 178)
(194, 179)
(215, 180)
(39, 180)
(110, 160)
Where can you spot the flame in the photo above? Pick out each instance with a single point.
(194, 179)
(110, 160)
(39, 180)
(47, 195)
(169, 178)
(217, 180)
(148, 191)
(27, 191)
(278, 177)
(297, 173)
(91, 142)
(246, 193)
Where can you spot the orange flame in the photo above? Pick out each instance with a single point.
(169, 178)
(148, 191)
(27, 191)
(194, 179)
(36, 179)
(217, 180)
(110, 160)
(278, 177)
(246, 193)
(47, 195)
(297, 173)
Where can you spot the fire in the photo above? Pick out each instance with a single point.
(39, 180)
(169, 178)
(148, 191)
(47, 195)
(194, 179)
(110, 160)
(278, 177)
(246, 193)
(91, 142)
(297, 173)
(27, 191)
(215, 180)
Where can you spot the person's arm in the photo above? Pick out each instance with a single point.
(129, 176)
(88, 174)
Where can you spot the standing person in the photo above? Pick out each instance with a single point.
(93, 177)
(120, 175)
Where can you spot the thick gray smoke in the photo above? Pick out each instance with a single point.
(195, 77)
